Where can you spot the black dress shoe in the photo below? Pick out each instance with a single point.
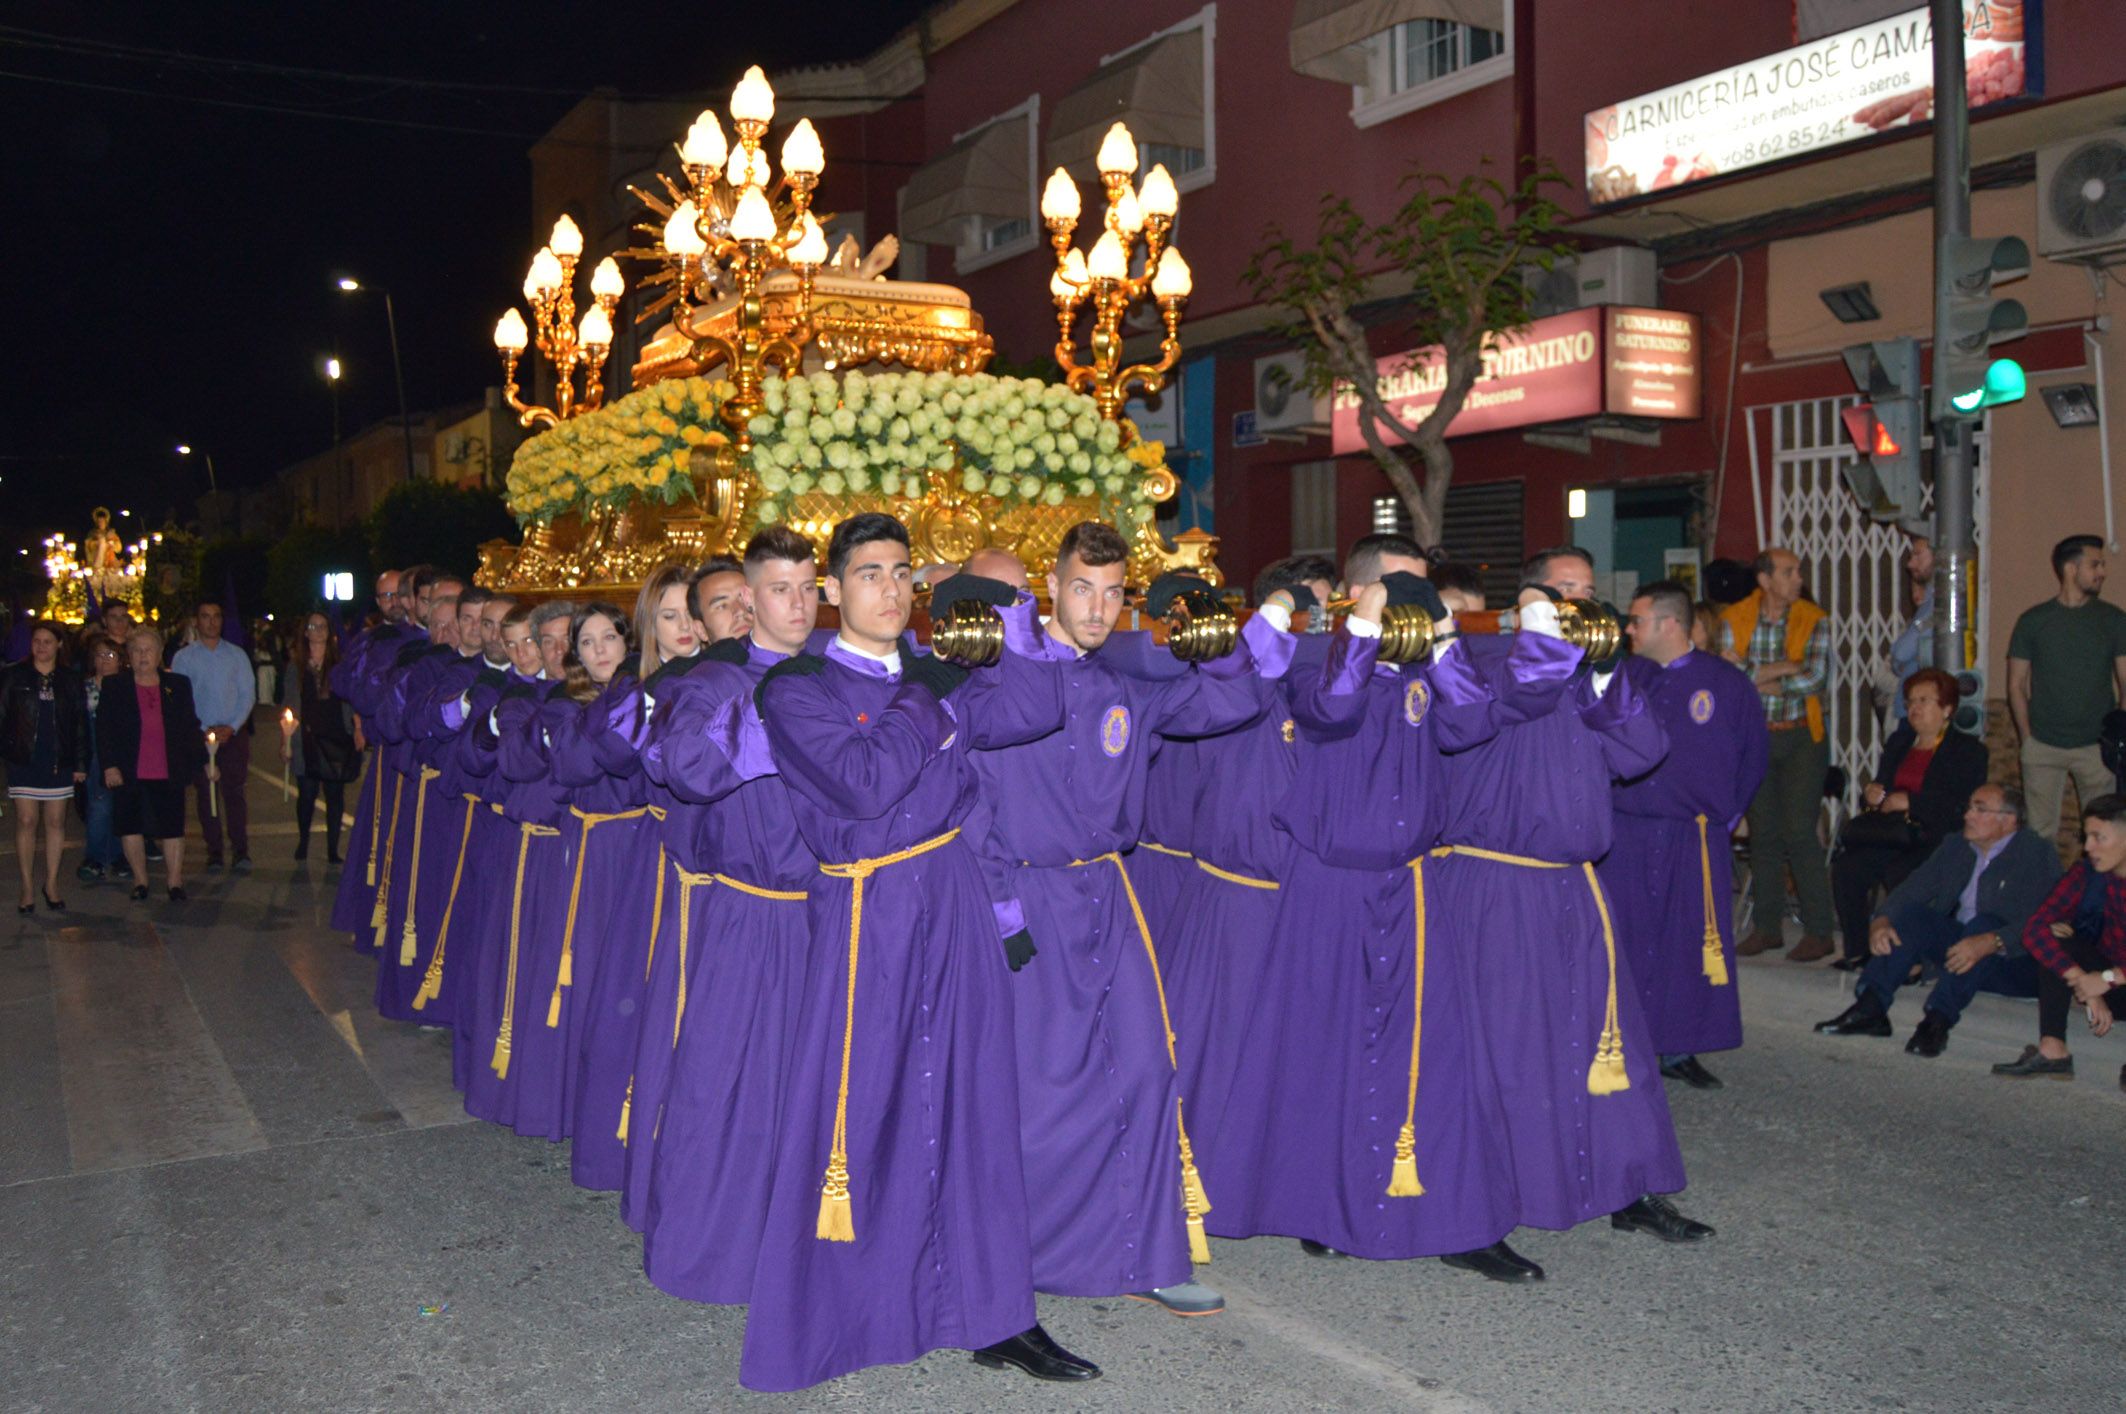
(1498, 1262)
(177, 893)
(1849, 964)
(1659, 1216)
(1319, 1249)
(1691, 1073)
(56, 905)
(1863, 1018)
(1930, 1038)
(1036, 1353)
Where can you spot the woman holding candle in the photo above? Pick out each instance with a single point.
(317, 740)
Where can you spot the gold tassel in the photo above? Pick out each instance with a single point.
(627, 1103)
(432, 983)
(835, 1221)
(1199, 1246)
(1714, 964)
(500, 1064)
(413, 884)
(553, 1009)
(376, 806)
(1402, 1179)
(380, 914)
(1606, 1076)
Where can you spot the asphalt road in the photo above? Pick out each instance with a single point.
(225, 1185)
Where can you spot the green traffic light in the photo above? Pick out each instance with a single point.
(2005, 383)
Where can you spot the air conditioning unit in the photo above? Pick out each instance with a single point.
(1623, 274)
(2081, 198)
(1282, 401)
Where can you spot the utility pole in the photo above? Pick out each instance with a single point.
(1953, 471)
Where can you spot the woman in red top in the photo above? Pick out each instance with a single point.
(1921, 785)
(150, 744)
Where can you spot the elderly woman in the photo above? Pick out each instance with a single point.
(44, 734)
(1921, 785)
(151, 745)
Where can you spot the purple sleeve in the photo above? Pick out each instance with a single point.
(702, 746)
(1463, 711)
(1332, 703)
(1532, 675)
(520, 732)
(1633, 742)
(1018, 700)
(855, 772)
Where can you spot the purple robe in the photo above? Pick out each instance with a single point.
(1099, 1119)
(1314, 1118)
(1531, 942)
(612, 896)
(712, 1165)
(402, 786)
(422, 875)
(1667, 878)
(1217, 944)
(936, 1189)
(351, 680)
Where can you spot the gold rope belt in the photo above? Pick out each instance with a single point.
(381, 909)
(627, 1101)
(1164, 849)
(1714, 964)
(1606, 1075)
(1231, 878)
(836, 1224)
(1402, 1176)
(376, 806)
(413, 881)
(525, 831)
(567, 975)
(1195, 1202)
(432, 981)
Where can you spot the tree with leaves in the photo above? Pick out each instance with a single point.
(1447, 267)
(434, 523)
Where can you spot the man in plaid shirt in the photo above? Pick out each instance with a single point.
(2078, 936)
(1781, 640)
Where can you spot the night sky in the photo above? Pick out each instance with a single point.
(183, 182)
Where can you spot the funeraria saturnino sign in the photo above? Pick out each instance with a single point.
(1833, 90)
(1615, 359)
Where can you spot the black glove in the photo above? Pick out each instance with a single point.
(1406, 588)
(490, 676)
(630, 667)
(932, 673)
(727, 650)
(1551, 594)
(1018, 950)
(798, 665)
(1170, 586)
(1303, 600)
(979, 588)
(517, 687)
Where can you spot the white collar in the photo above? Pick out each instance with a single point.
(891, 657)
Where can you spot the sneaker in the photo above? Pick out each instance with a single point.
(1189, 1298)
(2031, 1065)
(121, 872)
(90, 873)
(213, 864)
(242, 864)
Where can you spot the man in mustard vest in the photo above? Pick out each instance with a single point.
(1781, 640)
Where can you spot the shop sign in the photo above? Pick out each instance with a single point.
(1617, 359)
(1833, 90)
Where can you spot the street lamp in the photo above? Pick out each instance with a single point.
(349, 285)
(184, 449)
(332, 381)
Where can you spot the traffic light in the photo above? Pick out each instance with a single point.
(1968, 379)
(1885, 428)
(1970, 713)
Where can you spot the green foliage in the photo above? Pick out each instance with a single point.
(1444, 268)
(298, 562)
(429, 522)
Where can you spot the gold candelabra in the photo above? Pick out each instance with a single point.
(550, 290)
(1101, 277)
(726, 230)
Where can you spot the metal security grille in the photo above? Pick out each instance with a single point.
(1482, 526)
(1314, 509)
(1853, 565)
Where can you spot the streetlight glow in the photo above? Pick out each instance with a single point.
(349, 283)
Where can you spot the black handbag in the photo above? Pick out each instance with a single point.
(1879, 829)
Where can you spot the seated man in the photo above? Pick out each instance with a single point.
(1965, 907)
(2078, 937)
